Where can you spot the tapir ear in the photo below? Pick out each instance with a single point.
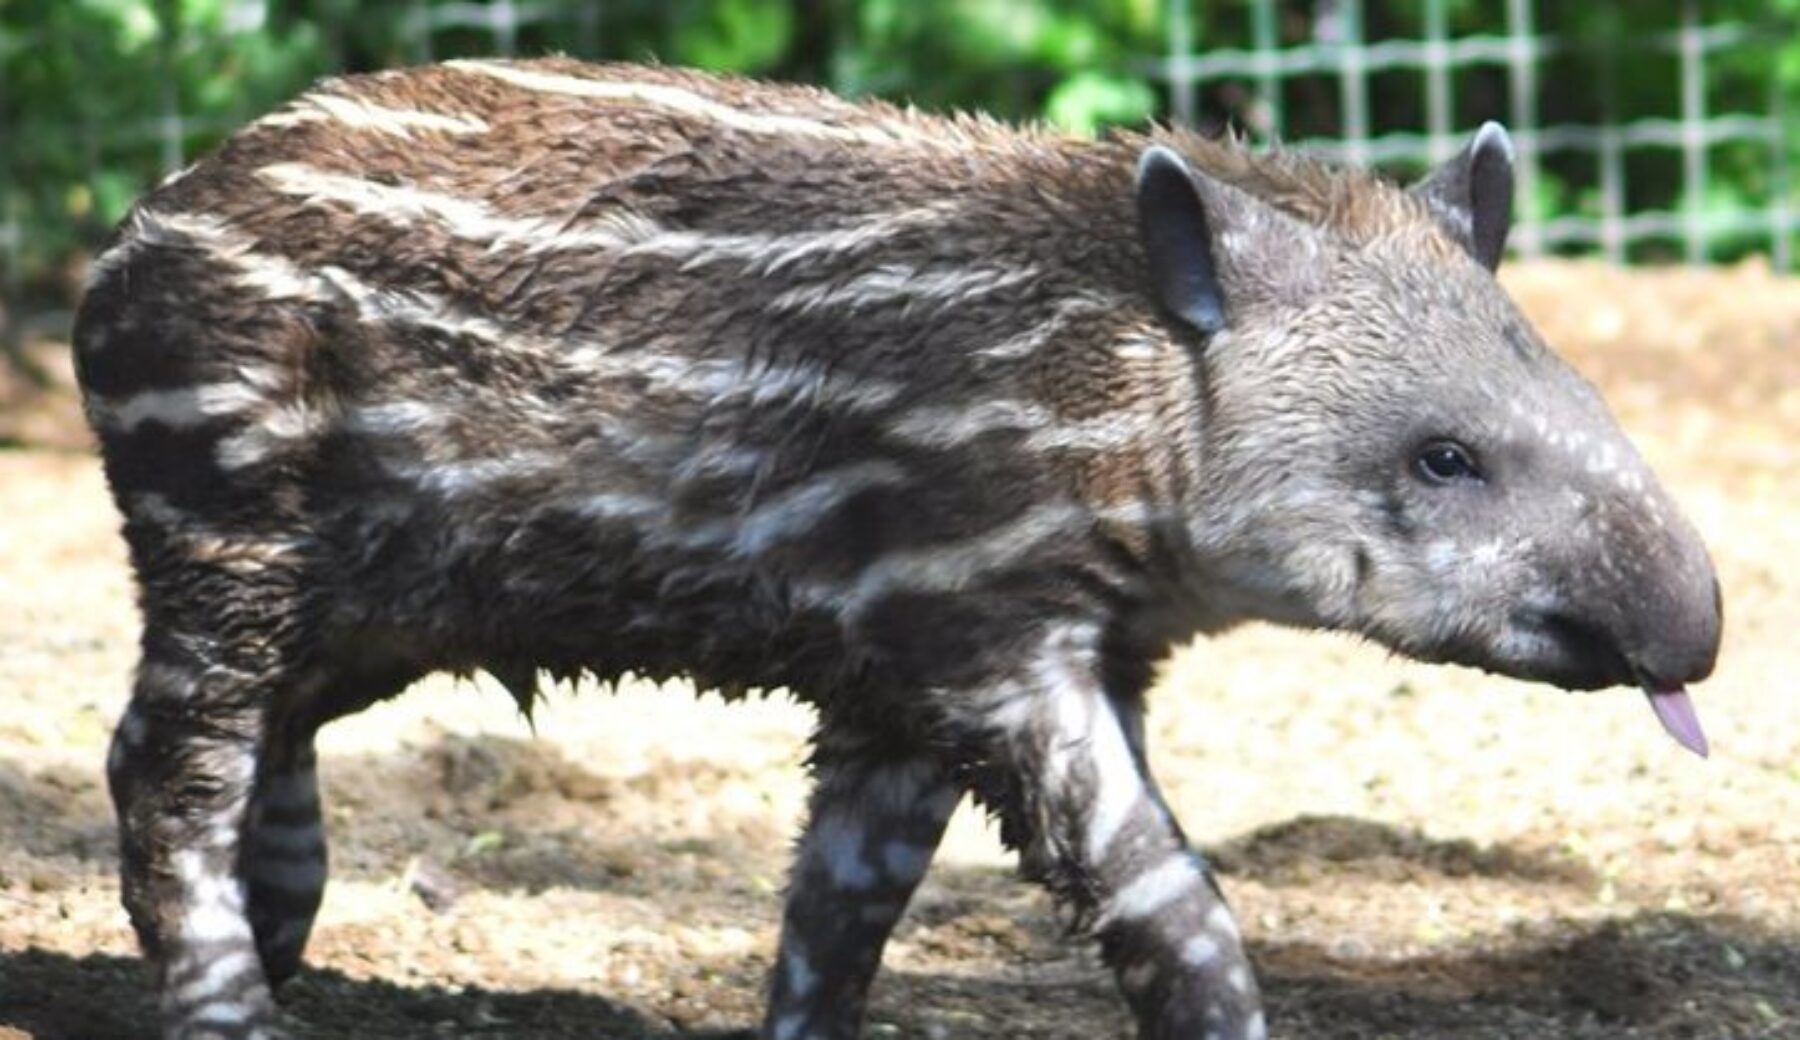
(1471, 195)
(1172, 222)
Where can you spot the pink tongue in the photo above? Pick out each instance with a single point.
(1676, 713)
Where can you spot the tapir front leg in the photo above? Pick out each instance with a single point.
(1065, 768)
(877, 816)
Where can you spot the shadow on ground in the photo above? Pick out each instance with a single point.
(1648, 976)
(1298, 851)
(1655, 976)
(988, 958)
(54, 997)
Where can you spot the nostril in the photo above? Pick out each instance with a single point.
(1676, 662)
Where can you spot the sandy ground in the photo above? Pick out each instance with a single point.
(1415, 852)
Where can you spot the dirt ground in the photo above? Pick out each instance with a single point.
(1415, 852)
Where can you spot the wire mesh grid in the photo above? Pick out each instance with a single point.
(173, 134)
(1338, 48)
(1266, 55)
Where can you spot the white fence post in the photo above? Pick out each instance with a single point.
(1693, 136)
(1522, 59)
(1781, 214)
(1439, 100)
(1181, 44)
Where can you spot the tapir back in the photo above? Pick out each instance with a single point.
(595, 370)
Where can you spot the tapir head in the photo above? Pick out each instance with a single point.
(1389, 446)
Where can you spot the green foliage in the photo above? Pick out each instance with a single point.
(1088, 101)
(735, 36)
(1069, 61)
(85, 85)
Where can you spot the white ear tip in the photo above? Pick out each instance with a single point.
(1492, 135)
(1159, 156)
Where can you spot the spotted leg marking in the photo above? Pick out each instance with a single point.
(181, 768)
(1068, 776)
(284, 861)
(875, 823)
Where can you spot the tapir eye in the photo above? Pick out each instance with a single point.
(1445, 462)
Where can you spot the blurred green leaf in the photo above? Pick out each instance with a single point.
(1089, 101)
(84, 83)
(735, 35)
(133, 22)
(114, 191)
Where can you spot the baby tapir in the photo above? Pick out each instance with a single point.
(949, 428)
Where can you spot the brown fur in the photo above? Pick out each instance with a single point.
(542, 366)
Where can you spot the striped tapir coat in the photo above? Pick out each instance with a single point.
(951, 429)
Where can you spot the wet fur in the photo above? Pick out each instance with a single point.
(546, 367)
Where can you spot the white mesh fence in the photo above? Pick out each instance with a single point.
(1258, 50)
(1256, 55)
